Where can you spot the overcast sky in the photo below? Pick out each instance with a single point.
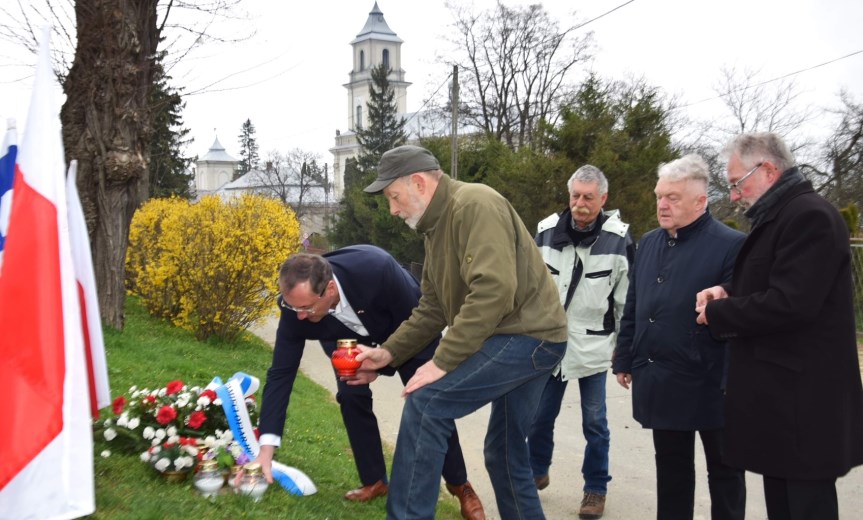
(289, 78)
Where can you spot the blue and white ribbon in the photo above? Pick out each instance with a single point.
(233, 395)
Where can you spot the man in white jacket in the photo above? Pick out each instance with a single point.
(588, 252)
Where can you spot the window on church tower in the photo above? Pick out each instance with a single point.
(386, 58)
(359, 120)
(362, 60)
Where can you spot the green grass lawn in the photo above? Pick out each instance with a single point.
(150, 353)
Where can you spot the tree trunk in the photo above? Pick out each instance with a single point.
(107, 129)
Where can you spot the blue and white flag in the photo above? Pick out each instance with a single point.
(7, 173)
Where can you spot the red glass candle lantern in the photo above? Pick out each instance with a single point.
(344, 358)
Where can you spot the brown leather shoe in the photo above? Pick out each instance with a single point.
(471, 507)
(592, 506)
(542, 482)
(366, 493)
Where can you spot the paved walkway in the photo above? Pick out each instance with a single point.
(631, 493)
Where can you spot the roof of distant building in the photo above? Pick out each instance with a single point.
(217, 153)
(376, 27)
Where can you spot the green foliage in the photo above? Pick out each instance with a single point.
(248, 148)
(851, 215)
(210, 267)
(624, 130)
(168, 168)
(149, 352)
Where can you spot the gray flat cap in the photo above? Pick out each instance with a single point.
(401, 161)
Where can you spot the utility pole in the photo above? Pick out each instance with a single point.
(454, 152)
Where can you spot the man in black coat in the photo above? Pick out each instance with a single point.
(674, 365)
(794, 407)
(357, 292)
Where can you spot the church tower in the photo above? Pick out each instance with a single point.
(376, 43)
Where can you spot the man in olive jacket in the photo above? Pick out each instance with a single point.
(794, 405)
(484, 281)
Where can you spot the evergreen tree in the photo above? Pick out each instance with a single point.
(169, 168)
(248, 148)
(386, 129)
(364, 218)
(624, 129)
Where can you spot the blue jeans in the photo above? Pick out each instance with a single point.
(594, 425)
(509, 372)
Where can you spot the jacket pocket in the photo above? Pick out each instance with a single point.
(598, 274)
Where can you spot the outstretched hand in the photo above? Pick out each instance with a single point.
(265, 459)
(372, 359)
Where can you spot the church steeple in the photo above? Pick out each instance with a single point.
(375, 44)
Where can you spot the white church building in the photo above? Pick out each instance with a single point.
(376, 43)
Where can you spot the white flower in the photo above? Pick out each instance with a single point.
(182, 401)
(226, 435)
(172, 431)
(108, 422)
(162, 464)
(134, 422)
(123, 420)
(236, 450)
(160, 433)
(217, 401)
(106, 453)
(191, 450)
(149, 432)
(183, 462)
(145, 457)
(204, 401)
(209, 441)
(155, 442)
(133, 388)
(162, 392)
(174, 439)
(110, 434)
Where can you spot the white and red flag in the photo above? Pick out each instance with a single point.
(46, 440)
(85, 278)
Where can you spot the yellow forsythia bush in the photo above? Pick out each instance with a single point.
(211, 266)
(148, 272)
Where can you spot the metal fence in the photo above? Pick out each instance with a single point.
(857, 277)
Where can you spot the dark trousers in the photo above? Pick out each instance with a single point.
(801, 499)
(675, 477)
(364, 435)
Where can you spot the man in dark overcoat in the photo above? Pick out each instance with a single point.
(794, 404)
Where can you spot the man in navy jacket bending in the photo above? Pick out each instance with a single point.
(357, 292)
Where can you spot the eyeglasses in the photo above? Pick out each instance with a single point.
(735, 186)
(310, 309)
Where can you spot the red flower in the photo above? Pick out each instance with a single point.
(150, 399)
(257, 433)
(197, 419)
(174, 387)
(117, 405)
(209, 393)
(166, 414)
